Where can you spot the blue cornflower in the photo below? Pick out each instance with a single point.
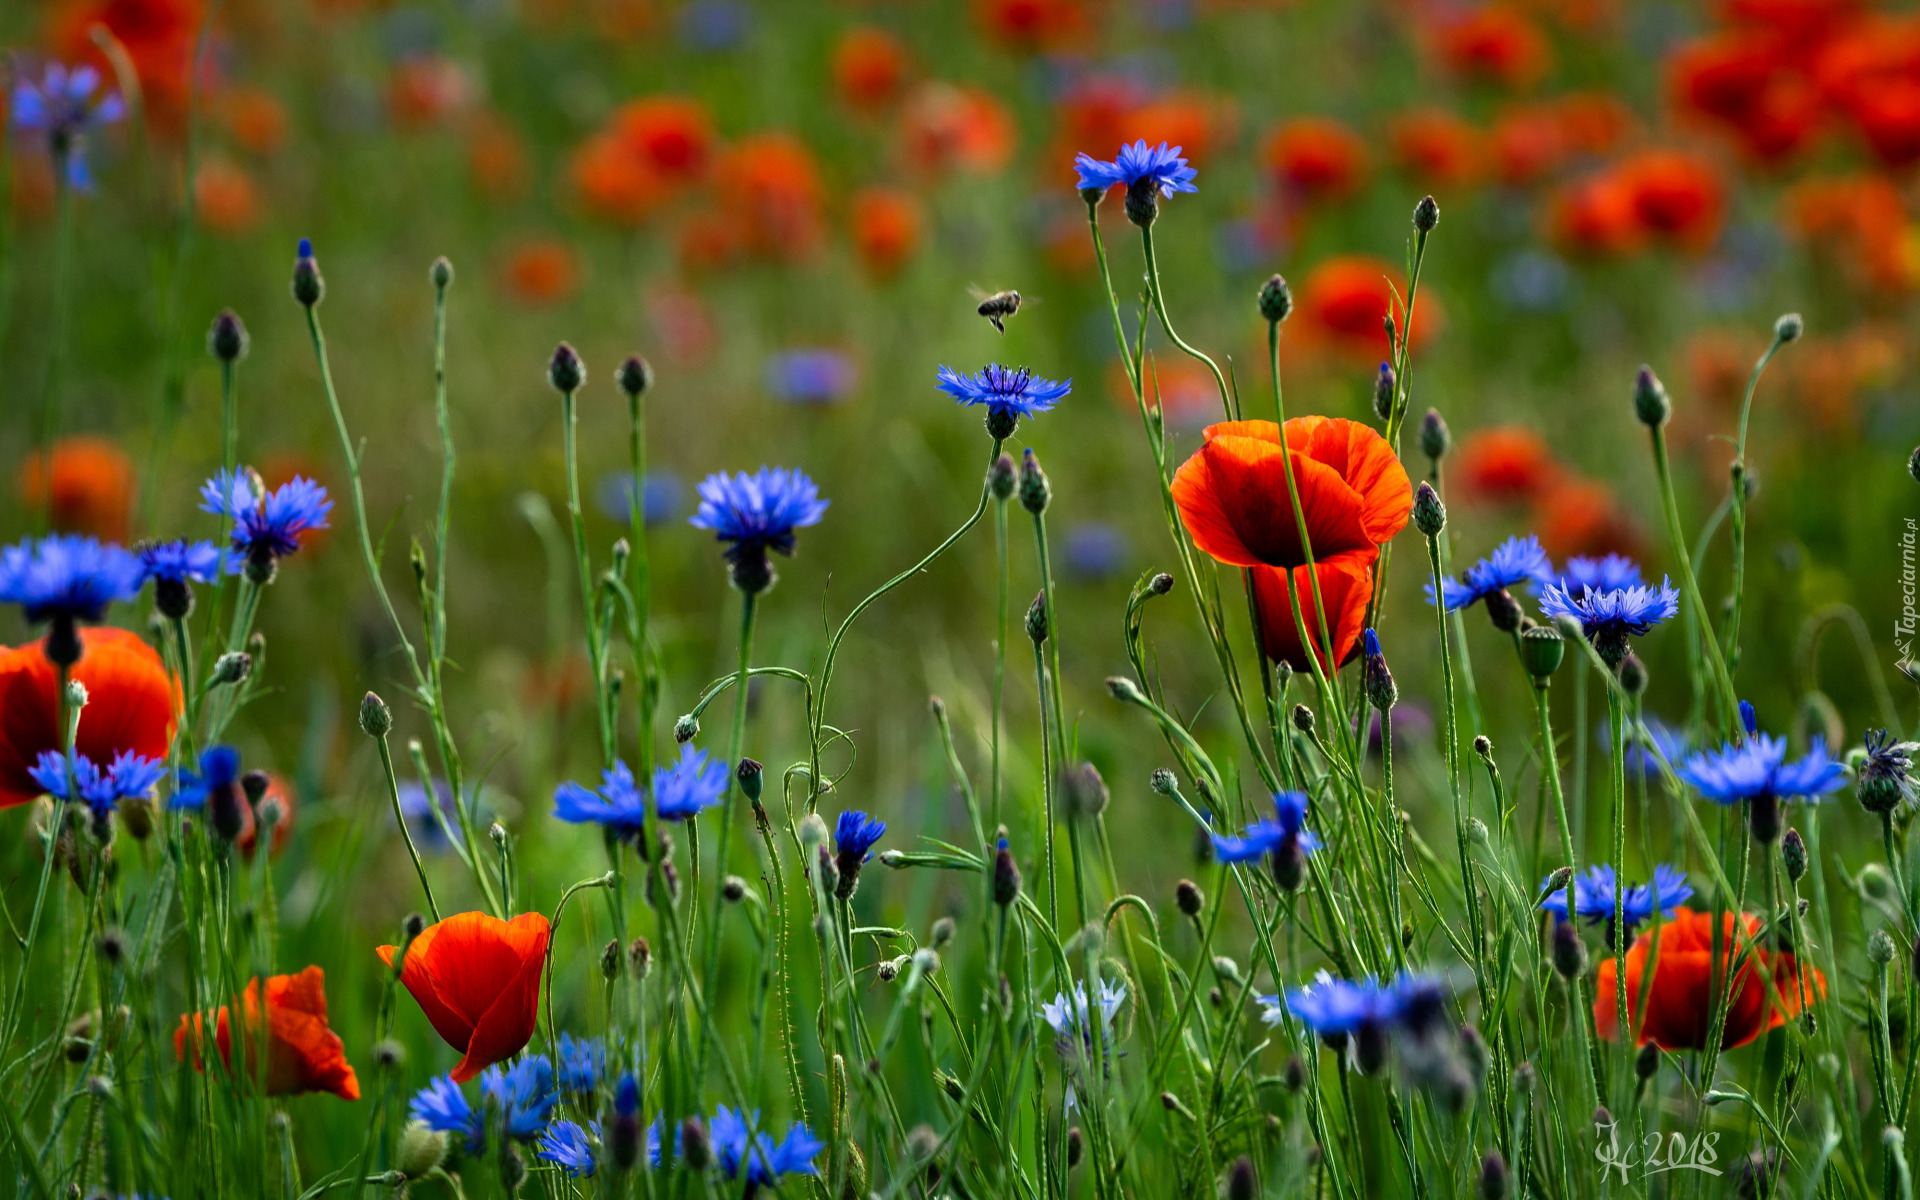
(618, 804)
(1008, 392)
(582, 1062)
(1609, 574)
(659, 496)
(1757, 771)
(523, 1093)
(180, 561)
(1655, 737)
(66, 579)
(566, 1145)
(1595, 892)
(1068, 1014)
(626, 1094)
(1339, 1009)
(443, 1107)
(812, 376)
(219, 770)
(267, 525)
(1610, 618)
(694, 783)
(854, 836)
(1093, 550)
(130, 776)
(1139, 168)
(763, 1161)
(428, 819)
(1883, 779)
(1513, 562)
(64, 104)
(1284, 837)
(757, 513)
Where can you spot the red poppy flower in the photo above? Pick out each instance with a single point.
(91, 484)
(1193, 122)
(1505, 464)
(1316, 159)
(158, 36)
(1346, 587)
(279, 794)
(1344, 300)
(256, 119)
(1581, 516)
(1436, 147)
(672, 135)
(771, 195)
(542, 272)
(1528, 144)
(1496, 44)
(1680, 1004)
(131, 703)
(1030, 25)
(885, 224)
(1679, 197)
(426, 90)
(613, 183)
(224, 198)
(303, 1054)
(1595, 217)
(1592, 122)
(946, 128)
(1862, 216)
(869, 68)
(477, 978)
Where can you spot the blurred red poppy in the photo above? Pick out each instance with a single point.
(1581, 516)
(256, 119)
(946, 128)
(158, 36)
(672, 135)
(91, 486)
(131, 702)
(1528, 144)
(885, 224)
(496, 158)
(869, 68)
(1504, 464)
(544, 271)
(1677, 197)
(1494, 43)
(224, 198)
(1316, 159)
(425, 90)
(771, 193)
(477, 979)
(1030, 25)
(1679, 1008)
(1864, 218)
(1594, 217)
(1343, 302)
(1346, 588)
(302, 1053)
(613, 183)
(281, 797)
(1437, 148)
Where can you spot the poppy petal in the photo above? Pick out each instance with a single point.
(1346, 587)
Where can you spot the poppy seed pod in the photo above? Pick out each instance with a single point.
(308, 287)
(636, 376)
(376, 719)
(440, 274)
(1035, 492)
(1429, 515)
(227, 340)
(565, 371)
(1384, 387)
(1435, 438)
(1542, 650)
(1002, 477)
(1650, 403)
(1276, 300)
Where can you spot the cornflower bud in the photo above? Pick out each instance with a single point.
(1435, 438)
(640, 958)
(565, 371)
(636, 376)
(1376, 681)
(752, 779)
(1793, 855)
(686, 729)
(1383, 392)
(942, 933)
(1880, 948)
(1037, 618)
(1429, 515)
(1160, 584)
(1426, 214)
(1076, 1147)
(1493, 1176)
(1006, 876)
(1188, 897)
(1483, 746)
(1086, 792)
(440, 274)
(1276, 300)
(1646, 1064)
(1002, 477)
(1633, 675)
(733, 889)
(388, 1053)
(1650, 402)
(227, 340)
(610, 960)
(308, 287)
(1303, 719)
(1035, 492)
(1569, 952)
(1163, 782)
(421, 1150)
(376, 719)
(1789, 328)
(1241, 1182)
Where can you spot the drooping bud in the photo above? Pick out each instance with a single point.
(1793, 855)
(1384, 386)
(1035, 492)
(636, 376)
(1435, 438)
(376, 719)
(1160, 584)
(565, 371)
(686, 729)
(1542, 649)
(1276, 300)
(1303, 719)
(1569, 952)
(1002, 477)
(1650, 403)
(1376, 681)
(308, 286)
(1429, 515)
(227, 340)
(1188, 898)
(752, 777)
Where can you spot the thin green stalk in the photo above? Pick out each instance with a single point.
(1691, 585)
(400, 819)
(711, 956)
(57, 333)
(1581, 1017)
(1738, 496)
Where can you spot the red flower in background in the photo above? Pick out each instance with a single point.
(1354, 496)
(1030, 25)
(1528, 144)
(1496, 44)
(1594, 217)
(1505, 464)
(89, 489)
(869, 68)
(477, 979)
(255, 118)
(770, 190)
(1343, 302)
(1316, 159)
(1580, 516)
(1180, 388)
(1194, 122)
(672, 135)
(496, 158)
(1679, 1008)
(885, 224)
(131, 702)
(224, 198)
(1592, 122)
(1438, 148)
(159, 38)
(302, 1053)
(1865, 218)
(1747, 82)
(613, 183)
(945, 128)
(426, 90)
(247, 840)
(542, 272)
(1677, 197)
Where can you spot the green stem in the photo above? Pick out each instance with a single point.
(1691, 585)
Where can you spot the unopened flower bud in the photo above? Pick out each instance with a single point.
(733, 889)
(227, 340)
(1429, 515)
(1002, 477)
(1793, 855)
(1633, 675)
(751, 776)
(1913, 464)
(1241, 1182)
(1435, 438)
(1789, 328)
(1384, 387)
(113, 946)
(813, 831)
(1076, 1147)
(1493, 1176)
(610, 960)
(1037, 619)
(376, 719)
(1650, 402)
(1160, 584)
(308, 286)
(388, 1053)
(1476, 831)
(639, 957)
(1276, 300)
(1124, 689)
(1542, 650)
(1035, 492)
(1163, 782)
(1483, 747)
(1569, 952)
(686, 729)
(1646, 1064)
(1188, 898)
(1303, 718)
(421, 1150)
(1376, 681)
(1426, 214)
(1880, 948)
(636, 376)
(1086, 791)
(440, 274)
(565, 371)
(1006, 876)
(231, 668)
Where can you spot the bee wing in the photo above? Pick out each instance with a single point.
(977, 292)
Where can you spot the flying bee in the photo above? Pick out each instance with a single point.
(996, 308)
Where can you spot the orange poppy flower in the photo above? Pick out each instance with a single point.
(1092, 115)
(770, 191)
(131, 703)
(477, 979)
(869, 68)
(1195, 123)
(1680, 1004)
(672, 135)
(1343, 303)
(256, 119)
(1680, 197)
(1495, 44)
(1592, 122)
(1316, 159)
(303, 1054)
(1528, 144)
(91, 484)
(946, 128)
(1595, 217)
(224, 197)
(1346, 587)
(1436, 147)
(542, 272)
(885, 224)
(1862, 215)
(1505, 464)
(613, 183)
